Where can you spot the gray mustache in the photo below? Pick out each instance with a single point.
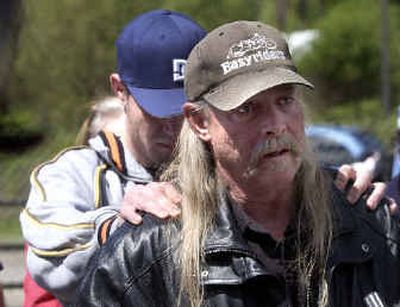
(271, 145)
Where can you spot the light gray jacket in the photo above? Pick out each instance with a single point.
(70, 199)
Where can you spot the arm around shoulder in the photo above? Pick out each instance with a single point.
(60, 220)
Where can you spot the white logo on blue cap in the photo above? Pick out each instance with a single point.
(178, 69)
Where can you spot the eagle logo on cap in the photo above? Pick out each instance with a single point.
(252, 44)
(256, 49)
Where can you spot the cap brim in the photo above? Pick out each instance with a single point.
(235, 91)
(159, 102)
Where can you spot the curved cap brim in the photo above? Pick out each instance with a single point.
(235, 91)
(161, 103)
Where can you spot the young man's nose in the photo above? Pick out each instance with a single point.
(172, 126)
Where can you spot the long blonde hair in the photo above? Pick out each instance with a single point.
(194, 173)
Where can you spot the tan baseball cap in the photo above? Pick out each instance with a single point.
(237, 61)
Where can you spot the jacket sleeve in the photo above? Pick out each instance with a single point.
(134, 268)
(61, 218)
(103, 285)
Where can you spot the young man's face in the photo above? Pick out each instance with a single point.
(151, 139)
(261, 139)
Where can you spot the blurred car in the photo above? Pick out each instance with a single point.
(336, 145)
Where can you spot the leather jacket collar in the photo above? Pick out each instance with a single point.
(348, 245)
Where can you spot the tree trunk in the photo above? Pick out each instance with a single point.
(385, 60)
(322, 7)
(10, 22)
(303, 10)
(282, 7)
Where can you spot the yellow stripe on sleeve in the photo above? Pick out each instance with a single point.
(97, 185)
(61, 252)
(34, 176)
(37, 222)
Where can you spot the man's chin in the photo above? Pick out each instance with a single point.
(159, 168)
(272, 168)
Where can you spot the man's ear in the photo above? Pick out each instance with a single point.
(118, 87)
(198, 120)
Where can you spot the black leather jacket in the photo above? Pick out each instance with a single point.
(138, 267)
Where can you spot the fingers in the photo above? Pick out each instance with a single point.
(130, 215)
(163, 194)
(344, 174)
(393, 207)
(360, 185)
(159, 199)
(378, 193)
(354, 183)
(171, 193)
(347, 178)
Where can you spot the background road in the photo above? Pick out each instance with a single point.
(13, 273)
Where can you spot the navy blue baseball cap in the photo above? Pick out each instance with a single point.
(151, 56)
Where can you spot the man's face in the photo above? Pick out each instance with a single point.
(151, 139)
(261, 140)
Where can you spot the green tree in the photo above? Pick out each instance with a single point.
(345, 60)
(211, 14)
(66, 54)
(10, 22)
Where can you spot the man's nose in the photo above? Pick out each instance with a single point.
(274, 122)
(172, 126)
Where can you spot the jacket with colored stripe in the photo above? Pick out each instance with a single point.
(71, 206)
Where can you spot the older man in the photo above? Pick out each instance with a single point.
(261, 224)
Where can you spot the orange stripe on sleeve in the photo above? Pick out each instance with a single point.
(114, 149)
(105, 230)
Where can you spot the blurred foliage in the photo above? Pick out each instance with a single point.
(10, 230)
(66, 48)
(345, 61)
(213, 13)
(18, 123)
(15, 168)
(66, 52)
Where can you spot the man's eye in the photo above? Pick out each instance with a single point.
(286, 100)
(245, 108)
